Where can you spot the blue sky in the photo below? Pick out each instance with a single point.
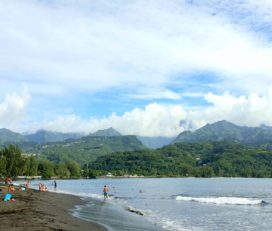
(138, 66)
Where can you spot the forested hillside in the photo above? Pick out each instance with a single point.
(219, 149)
(86, 148)
(203, 159)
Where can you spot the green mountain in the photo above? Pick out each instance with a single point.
(60, 147)
(86, 148)
(43, 136)
(10, 137)
(226, 131)
(155, 142)
(201, 159)
(106, 132)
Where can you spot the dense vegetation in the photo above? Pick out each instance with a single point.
(13, 163)
(204, 159)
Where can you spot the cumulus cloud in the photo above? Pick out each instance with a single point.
(153, 120)
(252, 110)
(13, 109)
(169, 120)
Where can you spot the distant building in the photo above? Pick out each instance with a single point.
(109, 174)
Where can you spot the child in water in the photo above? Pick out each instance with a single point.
(105, 192)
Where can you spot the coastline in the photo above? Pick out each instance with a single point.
(34, 210)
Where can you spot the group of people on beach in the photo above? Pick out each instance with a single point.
(12, 187)
(43, 187)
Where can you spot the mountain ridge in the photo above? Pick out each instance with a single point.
(227, 131)
(106, 132)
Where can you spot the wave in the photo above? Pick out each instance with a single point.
(223, 200)
(92, 195)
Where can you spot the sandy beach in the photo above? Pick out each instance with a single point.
(35, 210)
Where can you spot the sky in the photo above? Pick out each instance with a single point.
(143, 67)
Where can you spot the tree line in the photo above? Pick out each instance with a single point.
(13, 163)
(198, 159)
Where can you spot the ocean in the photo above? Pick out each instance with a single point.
(174, 204)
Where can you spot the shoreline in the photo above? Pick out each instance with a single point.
(34, 210)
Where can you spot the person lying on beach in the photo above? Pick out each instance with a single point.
(8, 180)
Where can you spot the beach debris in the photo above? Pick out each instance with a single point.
(132, 210)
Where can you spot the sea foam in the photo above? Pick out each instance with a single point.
(222, 200)
(82, 194)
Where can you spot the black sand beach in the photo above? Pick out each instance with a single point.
(35, 210)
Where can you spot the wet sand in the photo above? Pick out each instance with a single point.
(35, 210)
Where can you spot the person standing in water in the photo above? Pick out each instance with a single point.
(55, 184)
(105, 192)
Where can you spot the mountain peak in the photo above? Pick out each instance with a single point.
(45, 136)
(8, 136)
(227, 131)
(106, 132)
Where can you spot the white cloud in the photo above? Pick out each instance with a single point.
(92, 46)
(153, 120)
(146, 48)
(12, 109)
(169, 120)
(251, 110)
(150, 93)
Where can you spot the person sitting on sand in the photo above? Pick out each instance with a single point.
(27, 184)
(8, 180)
(7, 197)
(11, 188)
(105, 192)
(42, 187)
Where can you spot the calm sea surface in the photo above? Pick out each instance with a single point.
(174, 203)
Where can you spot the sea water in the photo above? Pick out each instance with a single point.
(175, 204)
